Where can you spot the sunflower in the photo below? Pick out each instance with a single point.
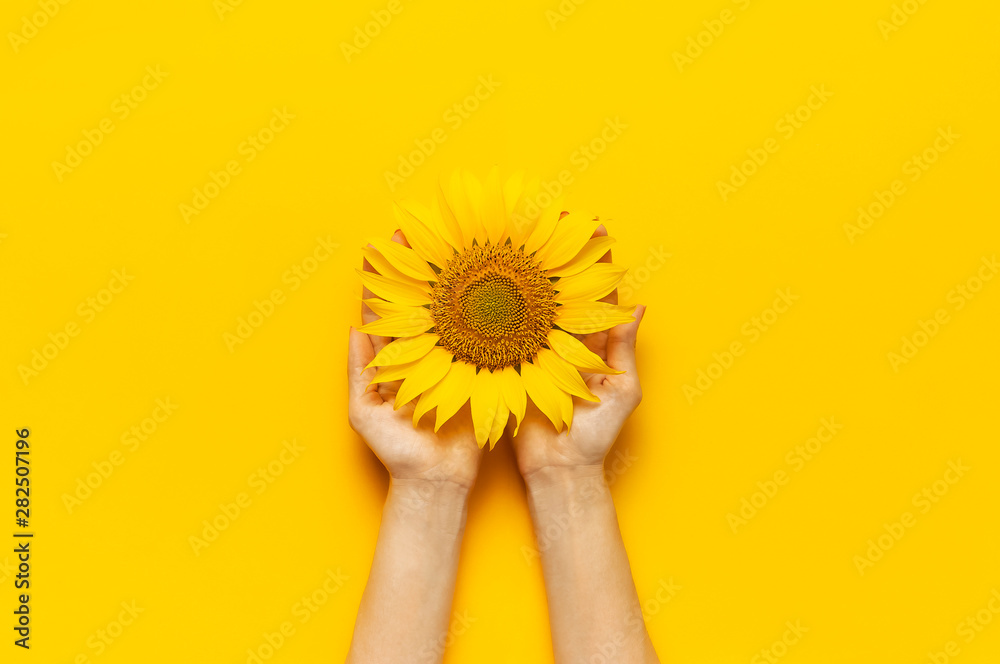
(487, 304)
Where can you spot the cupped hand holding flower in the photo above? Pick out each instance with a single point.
(485, 303)
(595, 423)
(408, 452)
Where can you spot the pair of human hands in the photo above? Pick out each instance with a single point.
(452, 455)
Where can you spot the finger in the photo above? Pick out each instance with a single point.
(612, 297)
(621, 344)
(385, 390)
(360, 353)
(400, 238)
(388, 390)
(597, 342)
(369, 316)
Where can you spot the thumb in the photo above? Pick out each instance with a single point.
(621, 343)
(360, 353)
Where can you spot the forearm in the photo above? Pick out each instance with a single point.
(405, 608)
(593, 605)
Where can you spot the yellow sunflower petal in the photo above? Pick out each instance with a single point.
(426, 402)
(564, 374)
(453, 230)
(454, 391)
(591, 252)
(384, 309)
(434, 222)
(405, 260)
(432, 396)
(587, 317)
(499, 421)
(386, 269)
(576, 353)
(566, 405)
(544, 393)
(570, 235)
(592, 284)
(485, 404)
(494, 210)
(421, 237)
(466, 215)
(543, 229)
(474, 197)
(395, 372)
(404, 351)
(425, 373)
(512, 189)
(522, 223)
(395, 291)
(512, 390)
(401, 325)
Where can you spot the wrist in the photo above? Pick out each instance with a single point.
(565, 486)
(437, 509)
(558, 493)
(453, 472)
(421, 490)
(557, 475)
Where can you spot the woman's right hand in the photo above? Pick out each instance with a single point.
(595, 425)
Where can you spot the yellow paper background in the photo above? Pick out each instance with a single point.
(560, 82)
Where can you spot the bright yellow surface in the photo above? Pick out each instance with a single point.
(705, 266)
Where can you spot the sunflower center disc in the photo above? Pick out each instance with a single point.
(493, 306)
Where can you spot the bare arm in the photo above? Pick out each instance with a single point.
(405, 609)
(593, 606)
